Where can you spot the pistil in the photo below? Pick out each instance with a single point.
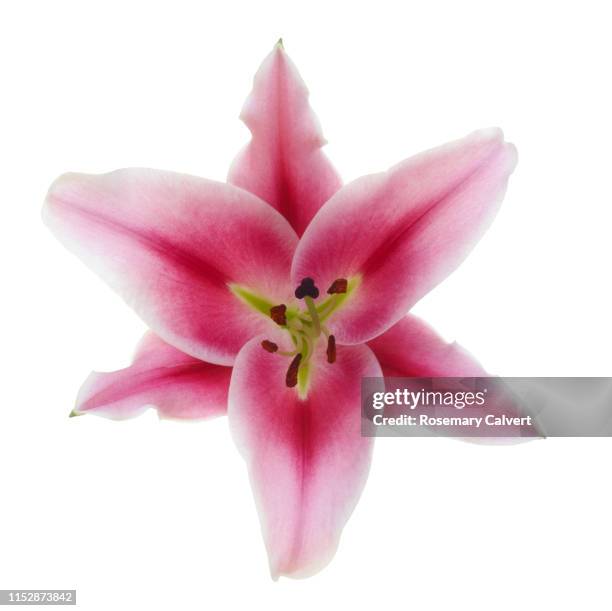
(314, 316)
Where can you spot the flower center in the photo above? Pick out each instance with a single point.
(305, 323)
(306, 327)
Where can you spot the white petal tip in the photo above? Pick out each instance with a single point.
(512, 155)
(62, 181)
(489, 133)
(60, 188)
(274, 575)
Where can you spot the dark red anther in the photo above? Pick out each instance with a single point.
(307, 288)
(279, 314)
(269, 346)
(331, 349)
(291, 379)
(338, 286)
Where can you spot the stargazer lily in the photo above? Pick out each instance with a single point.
(272, 295)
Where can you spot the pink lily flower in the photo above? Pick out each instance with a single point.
(271, 296)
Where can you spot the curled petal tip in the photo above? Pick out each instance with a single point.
(512, 155)
(74, 413)
(280, 45)
(53, 189)
(64, 180)
(62, 186)
(489, 133)
(274, 574)
(495, 137)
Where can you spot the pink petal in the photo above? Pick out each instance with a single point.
(404, 230)
(161, 376)
(283, 163)
(171, 245)
(412, 349)
(306, 458)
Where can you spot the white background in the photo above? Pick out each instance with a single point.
(153, 515)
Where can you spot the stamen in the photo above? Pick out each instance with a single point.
(269, 346)
(291, 379)
(339, 285)
(279, 314)
(307, 288)
(331, 349)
